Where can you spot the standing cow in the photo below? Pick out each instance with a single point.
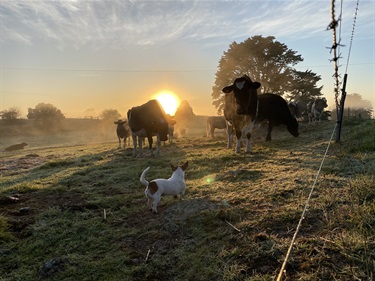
(270, 107)
(316, 109)
(122, 131)
(215, 122)
(145, 121)
(238, 124)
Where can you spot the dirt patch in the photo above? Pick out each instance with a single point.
(15, 166)
(21, 210)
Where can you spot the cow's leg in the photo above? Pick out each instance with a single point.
(119, 142)
(270, 127)
(158, 144)
(124, 143)
(149, 138)
(238, 143)
(229, 135)
(140, 145)
(134, 137)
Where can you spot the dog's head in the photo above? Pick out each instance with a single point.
(183, 167)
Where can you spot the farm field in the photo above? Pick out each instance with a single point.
(78, 211)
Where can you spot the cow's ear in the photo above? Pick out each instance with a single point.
(115, 122)
(255, 85)
(228, 89)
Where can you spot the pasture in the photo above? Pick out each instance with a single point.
(78, 211)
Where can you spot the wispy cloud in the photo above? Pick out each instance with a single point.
(116, 24)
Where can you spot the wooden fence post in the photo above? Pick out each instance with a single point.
(340, 111)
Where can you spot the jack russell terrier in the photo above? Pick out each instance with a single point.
(175, 185)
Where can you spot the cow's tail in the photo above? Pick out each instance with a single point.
(143, 179)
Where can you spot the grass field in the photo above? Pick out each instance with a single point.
(78, 212)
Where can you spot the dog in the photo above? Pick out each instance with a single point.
(175, 185)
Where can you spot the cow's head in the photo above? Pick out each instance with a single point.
(119, 122)
(245, 94)
(292, 127)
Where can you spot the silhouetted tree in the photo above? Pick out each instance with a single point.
(46, 116)
(110, 115)
(356, 106)
(263, 59)
(13, 113)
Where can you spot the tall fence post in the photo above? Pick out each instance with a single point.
(340, 110)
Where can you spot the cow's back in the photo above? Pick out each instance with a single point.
(272, 106)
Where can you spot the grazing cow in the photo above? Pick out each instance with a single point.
(270, 107)
(294, 109)
(123, 132)
(317, 109)
(239, 124)
(16, 146)
(171, 123)
(215, 122)
(146, 120)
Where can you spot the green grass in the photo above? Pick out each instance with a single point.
(80, 211)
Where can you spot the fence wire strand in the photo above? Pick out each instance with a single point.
(282, 270)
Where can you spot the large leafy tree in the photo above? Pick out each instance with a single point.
(110, 115)
(304, 88)
(263, 59)
(46, 116)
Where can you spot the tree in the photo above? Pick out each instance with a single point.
(356, 106)
(47, 117)
(13, 113)
(304, 88)
(263, 59)
(110, 115)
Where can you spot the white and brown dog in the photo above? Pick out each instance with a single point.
(175, 185)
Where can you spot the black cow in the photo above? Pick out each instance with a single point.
(123, 132)
(146, 120)
(16, 146)
(239, 124)
(270, 107)
(215, 122)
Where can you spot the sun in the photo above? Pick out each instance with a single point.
(169, 101)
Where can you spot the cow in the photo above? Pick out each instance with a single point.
(215, 122)
(16, 146)
(122, 131)
(146, 120)
(239, 124)
(316, 109)
(294, 109)
(270, 107)
(171, 123)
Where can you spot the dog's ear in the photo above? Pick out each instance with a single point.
(184, 167)
(173, 167)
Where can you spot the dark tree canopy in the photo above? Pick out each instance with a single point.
(110, 114)
(264, 60)
(11, 114)
(45, 112)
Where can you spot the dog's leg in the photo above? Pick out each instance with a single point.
(155, 203)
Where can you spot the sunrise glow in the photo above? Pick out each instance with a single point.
(169, 101)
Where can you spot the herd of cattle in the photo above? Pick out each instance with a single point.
(243, 109)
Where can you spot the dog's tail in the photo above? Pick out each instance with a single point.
(143, 179)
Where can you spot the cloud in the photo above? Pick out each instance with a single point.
(118, 23)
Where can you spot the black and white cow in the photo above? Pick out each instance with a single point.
(145, 121)
(237, 124)
(316, 109)
(122, 131)
(215, 122)
(270, 107)
(294, 109)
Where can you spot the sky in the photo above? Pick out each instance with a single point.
(87, 56)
